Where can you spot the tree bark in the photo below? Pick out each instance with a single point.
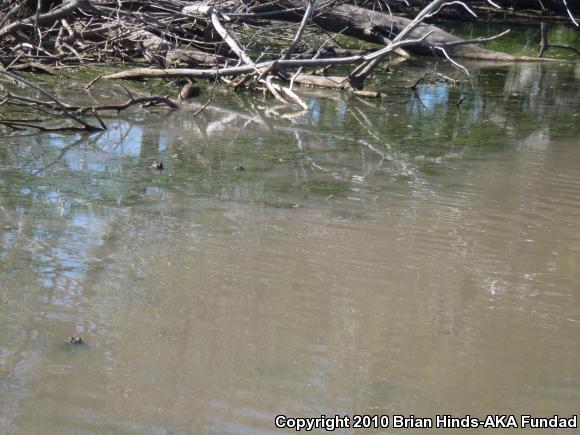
(378, 27)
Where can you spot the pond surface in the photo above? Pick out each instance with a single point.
(415, 256)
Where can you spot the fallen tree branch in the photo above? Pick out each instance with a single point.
(307, 16)
(137, 73)
(72, 112)
(219, 39)
(50, 17)
(55, 101)
(143, 101)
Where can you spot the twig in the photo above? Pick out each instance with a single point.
(208, 102)
(300, 32)
(93, 81)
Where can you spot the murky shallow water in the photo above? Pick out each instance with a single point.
(376, 258)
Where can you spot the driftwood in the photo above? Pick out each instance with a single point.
(216, 40)
(379, 28)
(391, 31)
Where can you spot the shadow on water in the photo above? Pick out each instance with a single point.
(213, 298)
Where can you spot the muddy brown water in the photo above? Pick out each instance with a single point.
(414, 257)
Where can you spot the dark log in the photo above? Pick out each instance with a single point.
(379, 28)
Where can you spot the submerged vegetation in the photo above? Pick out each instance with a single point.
(60, 59)
(289, 161)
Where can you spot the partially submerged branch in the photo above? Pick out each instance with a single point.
(54, 108)
(210, 40)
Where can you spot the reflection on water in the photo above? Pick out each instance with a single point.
(419, 258)
(523, 39)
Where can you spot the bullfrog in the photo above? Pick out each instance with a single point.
(157, 164)
(74, 340)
